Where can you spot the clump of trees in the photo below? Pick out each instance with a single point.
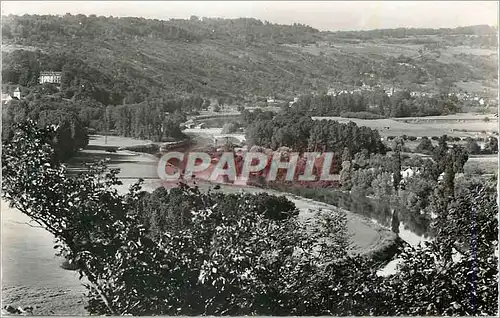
(425, 146)
(185, 252)
(472, 147)
(71, 133)
(230, 128)
(376, 104)
(301, 133)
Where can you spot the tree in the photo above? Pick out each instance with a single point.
(229, 128)
(425, 146)
(201, 254)
(184, 252)
(220, 101)
(206, 103)
(472, 147)
(473, 289)
(492, 145)
(396, 174)
(382, 186)
(395, 222)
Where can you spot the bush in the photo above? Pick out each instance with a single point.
(412, 138)
(230, 128)
(472, 147)
(361, 115)
(425, 146)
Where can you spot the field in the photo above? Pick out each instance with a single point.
(480, 61)
(473, 124)
(482, 165)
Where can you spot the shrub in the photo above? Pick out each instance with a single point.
(425, 146)
(361, 115)
(230, 128)
(472, 147)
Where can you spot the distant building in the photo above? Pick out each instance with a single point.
(17, 93)
(271, 99)
(50, 77)
(6, 98)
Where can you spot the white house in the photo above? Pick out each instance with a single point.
(6, 98)
(17, 93)
(50, 77)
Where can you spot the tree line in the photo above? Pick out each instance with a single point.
(37, 28)
(375, 104)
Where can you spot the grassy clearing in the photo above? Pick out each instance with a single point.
(479, 87)
(484, 165)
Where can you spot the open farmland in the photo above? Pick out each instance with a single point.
(459, 125)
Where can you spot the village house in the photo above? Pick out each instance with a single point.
(17, 93)
(50, 77)
(271, 99)
(6, 97)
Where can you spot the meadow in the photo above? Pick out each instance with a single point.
(458, 125)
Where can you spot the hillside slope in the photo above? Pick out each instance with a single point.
(117, 60)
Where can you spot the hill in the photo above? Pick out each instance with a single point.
(127, 60)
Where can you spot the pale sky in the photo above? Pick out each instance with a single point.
(323, 15)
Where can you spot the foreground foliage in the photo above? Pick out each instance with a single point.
(218, 254)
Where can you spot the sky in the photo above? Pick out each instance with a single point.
(323, 15)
